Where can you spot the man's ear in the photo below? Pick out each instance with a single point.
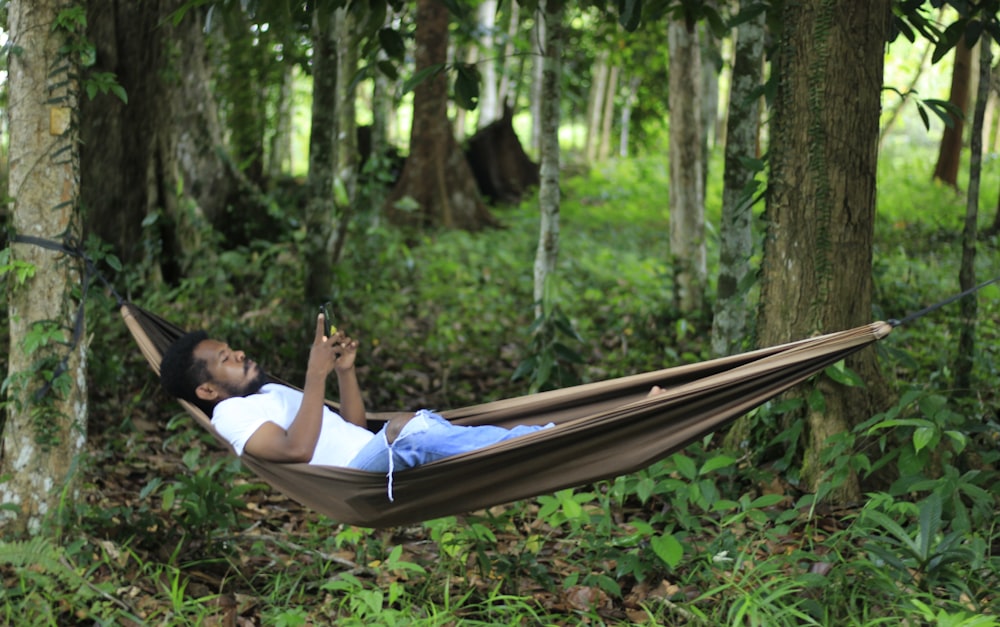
(206, 392)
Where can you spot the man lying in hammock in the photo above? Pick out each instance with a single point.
(281, 424)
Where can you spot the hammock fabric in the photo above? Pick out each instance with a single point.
(603, 430)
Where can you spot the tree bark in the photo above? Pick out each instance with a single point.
(490, 108)
(631, 96)
(46, 425)
(967, 273)
(506, 63)
(950, 150)
(817, 264)
(319, 241)
(436, 182)
(607, 116)
(279, 159)
(346, 162)
(537, 55)
(687, 196)
(729, 324)
(158, 157)
(547, 253)
(595, 105)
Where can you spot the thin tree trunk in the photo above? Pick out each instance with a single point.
(318, 245)
(280, 154)
(504, 96)
(710, 66)
(817, 264)
(950, 150)
(595, 105)
(729, 324)
(967, 274)
(607, 115)
(346, 145)
(548, 192)
(490, 108)
(538, 40)
(46, 426)
(687, 197)
(630, 97)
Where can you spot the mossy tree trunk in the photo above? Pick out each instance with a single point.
(46, 425)
(318, 245)
(688, 257)
(817, 264)
(547, 253)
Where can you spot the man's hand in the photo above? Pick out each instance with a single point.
(330, 354)
(345, 349)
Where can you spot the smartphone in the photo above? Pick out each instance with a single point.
(328, 328)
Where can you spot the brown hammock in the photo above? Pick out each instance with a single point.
(603, 430)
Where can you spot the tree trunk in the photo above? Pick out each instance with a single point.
(507, 76)
(46, 424)
(950, 151)
(711, 54)
(687, 196)
(158, 157)
(537, 55)
(595, 105)
(279, 161)
(436, 187)
(817, 264)
(490, 109)
(320, 235)
(607, 116)
(729, 324)
(548, 192)
(346, 146)
(626, 124)
(967, 273)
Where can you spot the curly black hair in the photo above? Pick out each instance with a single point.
(181, 373)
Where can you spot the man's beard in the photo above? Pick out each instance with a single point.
(251, 386)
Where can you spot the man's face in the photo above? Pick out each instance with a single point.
(231, 372)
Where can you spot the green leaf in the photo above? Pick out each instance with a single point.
(816, 402)
(668, 549)
(717, 462)
(392, 42)
(843, 375)
(685, 465)
(467, 87)
(922, 437)
(767, 500)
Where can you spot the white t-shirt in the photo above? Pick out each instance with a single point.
(239, 417)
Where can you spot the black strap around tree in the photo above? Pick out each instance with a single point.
(72, 248)
(926, 310)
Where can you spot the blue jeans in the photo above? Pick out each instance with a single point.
(428, 437)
